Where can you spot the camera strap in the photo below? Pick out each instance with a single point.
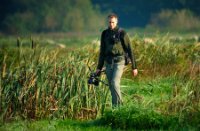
(127, 59)
(122, 42)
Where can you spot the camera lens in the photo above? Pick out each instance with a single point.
(96, 82)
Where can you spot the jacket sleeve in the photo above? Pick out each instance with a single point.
(102, 52)
(129, 50)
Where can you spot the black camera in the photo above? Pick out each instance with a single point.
(93, 79)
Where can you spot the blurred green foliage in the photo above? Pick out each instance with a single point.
(175, 20)
(52, 16)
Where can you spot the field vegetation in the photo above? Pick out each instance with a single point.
(46, 79)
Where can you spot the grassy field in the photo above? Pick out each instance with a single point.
(144, 102)
(43, 85)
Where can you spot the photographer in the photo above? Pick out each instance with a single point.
(115, 43)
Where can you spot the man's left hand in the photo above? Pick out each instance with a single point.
(134, 72)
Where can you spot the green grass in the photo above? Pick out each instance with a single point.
(159, 103)
(47, 83)
(53, 125)
(128, 113)
(145, 107)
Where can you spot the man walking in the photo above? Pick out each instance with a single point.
(115, 44)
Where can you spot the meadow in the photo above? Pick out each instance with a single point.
(44, 85)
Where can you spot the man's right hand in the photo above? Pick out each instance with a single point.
(98, 71)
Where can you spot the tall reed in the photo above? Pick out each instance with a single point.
(52, 82)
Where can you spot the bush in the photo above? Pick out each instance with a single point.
(137, 118)
(178, 20)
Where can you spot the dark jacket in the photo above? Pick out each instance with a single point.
(115, 43)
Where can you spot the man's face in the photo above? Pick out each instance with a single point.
(112, 22)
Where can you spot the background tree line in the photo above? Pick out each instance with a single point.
(89, 15)
(139, 13)
(49, 16)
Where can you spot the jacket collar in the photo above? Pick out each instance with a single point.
(115, 29)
